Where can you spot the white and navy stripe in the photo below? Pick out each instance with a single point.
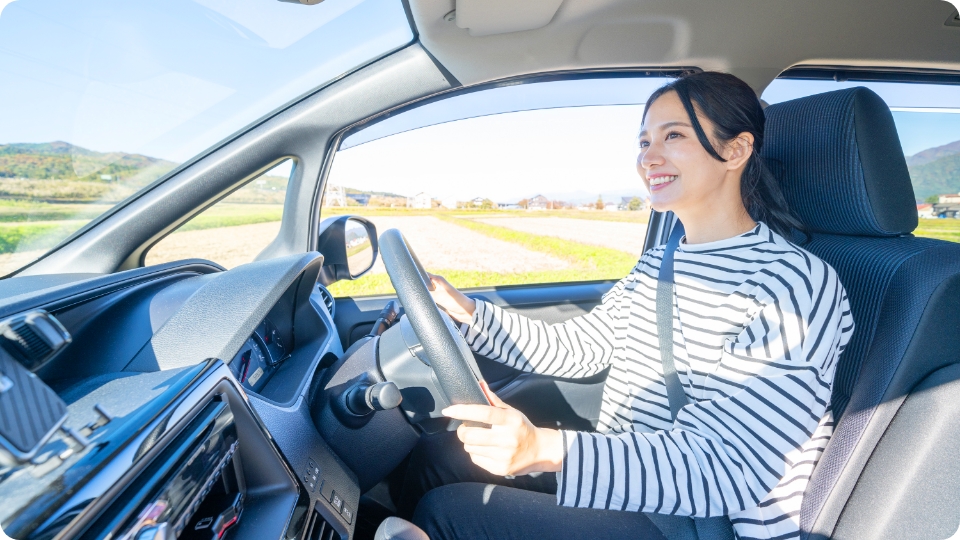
(758, 326)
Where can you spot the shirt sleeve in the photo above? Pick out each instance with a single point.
(576, 348)
(726, 452)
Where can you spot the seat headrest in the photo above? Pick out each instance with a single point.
(840, 163)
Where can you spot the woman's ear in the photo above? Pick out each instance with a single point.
(739, 151)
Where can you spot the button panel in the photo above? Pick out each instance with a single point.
(311, 476)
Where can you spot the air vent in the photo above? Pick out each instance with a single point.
(327, 298)
(320, 529)
(33, 338)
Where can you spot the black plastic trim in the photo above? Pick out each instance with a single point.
(873, 74)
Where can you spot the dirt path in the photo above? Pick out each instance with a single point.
(439, 245)
(228, 246)
(624, 236)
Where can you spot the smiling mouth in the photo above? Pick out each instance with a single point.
(662, 180)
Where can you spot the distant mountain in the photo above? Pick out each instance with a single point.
(59, 160)
(935, 171)
(937, 177)
(932, 154)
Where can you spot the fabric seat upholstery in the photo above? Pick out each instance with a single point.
(842, 170)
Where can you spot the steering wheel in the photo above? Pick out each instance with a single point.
(450, 356)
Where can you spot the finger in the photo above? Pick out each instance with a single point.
(478, 413)
(492, 397)
(437, 280)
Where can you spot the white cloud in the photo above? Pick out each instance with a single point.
(4, 4)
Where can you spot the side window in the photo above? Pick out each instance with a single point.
(535, 183)
(928, 123)
(236, 229)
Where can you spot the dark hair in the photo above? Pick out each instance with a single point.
(733, 108)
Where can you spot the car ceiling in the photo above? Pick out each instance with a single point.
(754, 39)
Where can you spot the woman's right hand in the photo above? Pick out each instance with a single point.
(456, 304)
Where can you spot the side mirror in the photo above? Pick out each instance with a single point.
(349, 248)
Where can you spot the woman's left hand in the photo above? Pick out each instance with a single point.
(511, 445)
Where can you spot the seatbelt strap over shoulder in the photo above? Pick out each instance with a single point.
(665, 294)
(712, 528)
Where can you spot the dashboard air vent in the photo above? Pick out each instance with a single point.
(327, 298)
(320, 529)
(33, 338)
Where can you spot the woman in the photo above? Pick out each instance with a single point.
(758, 325)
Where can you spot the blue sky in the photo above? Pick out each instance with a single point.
(170, 78)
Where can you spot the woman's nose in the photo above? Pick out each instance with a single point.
(649, 157)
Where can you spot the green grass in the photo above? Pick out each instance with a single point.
(583, 255)
(33, 236)
(232, 215)
(587, 263)
(376, 284)
(942, 229)
(20, 211)
(48, 226)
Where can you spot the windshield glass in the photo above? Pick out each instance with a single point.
(101, 98)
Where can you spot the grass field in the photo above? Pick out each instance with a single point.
(942, 229)
(26, 226)
(584, 262)
(32, 236)
(232, 215)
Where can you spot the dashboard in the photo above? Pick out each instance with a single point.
(178, 407)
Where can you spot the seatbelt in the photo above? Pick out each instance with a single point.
(714, 528)
(665, 288)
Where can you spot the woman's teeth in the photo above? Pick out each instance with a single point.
(662, 180)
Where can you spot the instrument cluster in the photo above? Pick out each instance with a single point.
(259, 357)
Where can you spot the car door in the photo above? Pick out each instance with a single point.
(522, 194)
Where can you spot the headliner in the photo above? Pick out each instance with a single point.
(753, 39)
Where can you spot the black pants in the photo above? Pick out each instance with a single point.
(454, 498)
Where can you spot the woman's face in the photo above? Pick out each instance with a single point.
(678, 172)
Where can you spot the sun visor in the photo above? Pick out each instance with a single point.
(489, 17)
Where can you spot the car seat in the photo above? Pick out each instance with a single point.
(892, 467)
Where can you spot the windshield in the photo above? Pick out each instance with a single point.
(101, 98)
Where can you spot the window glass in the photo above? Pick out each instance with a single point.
(236, 229)
(928, 123)
(500, 190)
(102, 97)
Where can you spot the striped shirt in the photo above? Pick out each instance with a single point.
(758, 325)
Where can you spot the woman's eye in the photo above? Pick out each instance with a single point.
(644, 144)
(673, 135)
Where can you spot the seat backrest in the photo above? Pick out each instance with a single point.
(843, 173)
